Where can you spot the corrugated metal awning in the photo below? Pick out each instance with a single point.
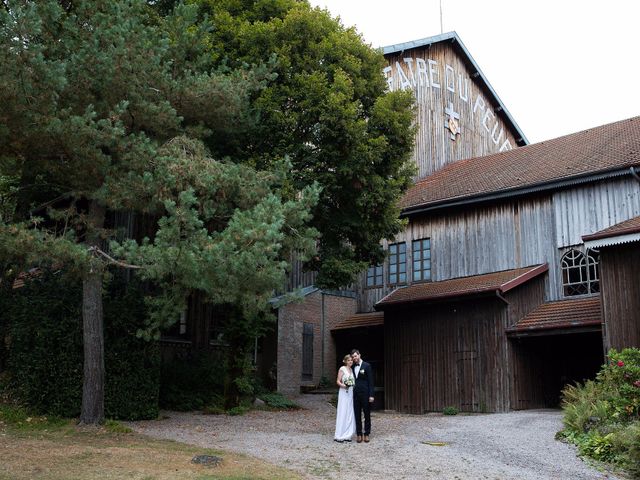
(623, 232)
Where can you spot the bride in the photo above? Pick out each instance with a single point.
(345, 418)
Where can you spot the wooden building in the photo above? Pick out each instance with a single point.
(527, 208)
(459, 115)
(490, 299)
(619, 247)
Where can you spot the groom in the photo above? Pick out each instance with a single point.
(362, 395)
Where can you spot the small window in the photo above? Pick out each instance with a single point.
(397, 263)
(580, 275)
(307, 351)
(421, 256)
(374, 276)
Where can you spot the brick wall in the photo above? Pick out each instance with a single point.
(291, 318)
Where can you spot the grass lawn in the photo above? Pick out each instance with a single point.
(53, 449)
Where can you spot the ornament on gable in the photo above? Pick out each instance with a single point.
(452, 123)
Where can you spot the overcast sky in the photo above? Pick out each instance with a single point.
(559, 66)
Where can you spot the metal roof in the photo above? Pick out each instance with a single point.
(455, 39)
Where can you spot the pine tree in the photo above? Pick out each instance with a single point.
(108, 107)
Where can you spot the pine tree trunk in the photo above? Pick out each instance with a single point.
(92, 411)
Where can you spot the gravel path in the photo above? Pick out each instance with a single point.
(517, 445)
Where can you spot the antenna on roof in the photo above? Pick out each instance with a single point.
(441, 29)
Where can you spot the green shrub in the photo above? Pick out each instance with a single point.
(114, 426)
(602, 417)
(450, 411)
(240, 410)
(193, 382)
(20, 418)
(45, 361)
(278, 401)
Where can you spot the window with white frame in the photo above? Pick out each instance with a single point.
(580, 275)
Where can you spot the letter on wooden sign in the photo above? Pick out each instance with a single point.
(432, 71)
(464, 98)
(404, 81)
(479, 103)
(388, 75)
(506, 146)
(450, 78)
(421, 72)
(409, 62)
(488, 112)
(495, 139)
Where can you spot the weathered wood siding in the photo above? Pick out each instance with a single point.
(440, 79)
(452, 354)
(513, 234)
(620, 284)
(587, 209)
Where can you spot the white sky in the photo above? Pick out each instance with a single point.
(559, 66)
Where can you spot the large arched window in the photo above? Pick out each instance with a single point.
(580, 274)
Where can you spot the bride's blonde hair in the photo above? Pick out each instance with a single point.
(346, 358)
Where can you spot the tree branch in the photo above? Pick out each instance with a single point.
(113, 260)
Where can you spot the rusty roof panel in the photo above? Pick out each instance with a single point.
(572, 313)
(361, 320)
(606, 149)
(488, 283)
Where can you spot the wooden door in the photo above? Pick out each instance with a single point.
(467, 380)
(411, 383)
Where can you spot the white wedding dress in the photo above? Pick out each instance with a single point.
(345, 418)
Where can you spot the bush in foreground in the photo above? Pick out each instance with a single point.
(602, 417)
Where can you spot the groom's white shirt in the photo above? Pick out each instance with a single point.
(357, 370)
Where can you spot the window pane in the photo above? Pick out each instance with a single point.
(393, 248)
(416, 265)
(379, 270)
(426, 254)
(402, 267)
(393, 268)
(426, 243)
(402, 257)
(369, 281)
(416, 245)
(393, 278)
(403, 247)
(403, 277)
(427, 274)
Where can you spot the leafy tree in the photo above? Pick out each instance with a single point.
(329, 111)
(106, 108)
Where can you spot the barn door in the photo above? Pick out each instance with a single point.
(411, 383)
(467, 381)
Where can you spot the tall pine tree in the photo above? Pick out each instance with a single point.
(105, 108)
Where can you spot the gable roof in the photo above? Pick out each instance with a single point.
(453, 38)
(486, 284)
(602, 152)
(564, 314)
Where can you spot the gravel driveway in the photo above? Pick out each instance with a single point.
(517, 445)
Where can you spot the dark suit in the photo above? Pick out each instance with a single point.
(362, 390)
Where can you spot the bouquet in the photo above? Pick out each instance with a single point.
(349, 382)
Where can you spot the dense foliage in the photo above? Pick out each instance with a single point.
(247, 130)
(602, 417)
(328, 110)
(44, 335)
